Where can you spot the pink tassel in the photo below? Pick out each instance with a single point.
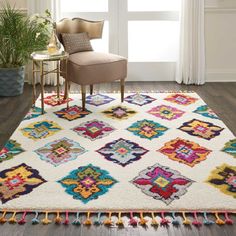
(22, 220)
(228, 221)
(132, 220)
(164, 221)
(196, 222)
(66, 221)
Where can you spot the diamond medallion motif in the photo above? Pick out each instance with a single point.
(139, 99)
(201, 129)
(94, 129)
(72, 113)
(181, 99)
(41, 129)
(87, 183)
(185, 151)
(162, 183)
(166, 112)
(18, 181)
(147, 129)
(60, 151)
(122, 152)
(98, 100)
(224, 178)
(119, 112)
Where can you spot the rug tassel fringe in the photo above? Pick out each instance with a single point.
(45, 220)
(108, 221)
(228, 221)
(164, 221)
(88, 221)
(77, 220)
(22, 220)
(175, 222)
(120, 222)
(186, 221)
(35, 220)
(12, 219)
(58, 219)
(133, 221)
(196, 222)
(219, 221)
(154, 222)
(142, 221)
(66, 221)
(206, 220)
(2, 218)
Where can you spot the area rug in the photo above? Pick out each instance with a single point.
(155, 152)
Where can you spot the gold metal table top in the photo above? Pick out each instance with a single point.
(46, 56)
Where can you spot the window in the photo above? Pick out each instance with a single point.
(144, 31)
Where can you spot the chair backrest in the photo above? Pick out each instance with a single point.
(79, 25)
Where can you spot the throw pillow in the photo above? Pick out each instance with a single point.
(76, 42)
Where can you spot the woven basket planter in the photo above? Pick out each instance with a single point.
(12, 81)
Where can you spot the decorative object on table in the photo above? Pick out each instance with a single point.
(74, 163)
(54, 46)
(19, 37)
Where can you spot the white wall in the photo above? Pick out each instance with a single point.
(18, 3)
(220, 30)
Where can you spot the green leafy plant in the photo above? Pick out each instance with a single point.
(20, 35)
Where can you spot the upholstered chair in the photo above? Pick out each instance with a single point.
(90, 67)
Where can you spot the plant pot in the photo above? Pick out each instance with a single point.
(12, 81)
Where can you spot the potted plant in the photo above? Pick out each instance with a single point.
(20, 35)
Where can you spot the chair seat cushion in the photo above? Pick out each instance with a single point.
(92, 67)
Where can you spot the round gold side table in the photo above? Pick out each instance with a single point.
(40, 59)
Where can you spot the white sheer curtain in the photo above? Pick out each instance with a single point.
(191, 62)
(39, 7)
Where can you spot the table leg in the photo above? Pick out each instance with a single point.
(67, 86)
(33, 83)
(42, 86)
(58, 77)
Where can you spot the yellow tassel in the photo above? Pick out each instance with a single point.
(58, 219)
(108, 221)
(46, 221)
(120, 221)
(186, 221)
(88, 221)
(12, 219)
(2, 218)
(154, 221)
(218, 220)
(142, 220)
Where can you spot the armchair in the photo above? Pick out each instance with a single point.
(90, 67)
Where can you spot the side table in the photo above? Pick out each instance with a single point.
(39, 60)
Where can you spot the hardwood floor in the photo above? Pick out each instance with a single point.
(221, 97)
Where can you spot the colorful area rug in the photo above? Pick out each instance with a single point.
(156, 152)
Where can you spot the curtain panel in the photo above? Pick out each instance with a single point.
(191, 60)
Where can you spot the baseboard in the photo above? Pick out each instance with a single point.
(215, 75)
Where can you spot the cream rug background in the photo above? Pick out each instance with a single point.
(123, 195)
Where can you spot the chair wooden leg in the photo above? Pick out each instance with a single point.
(83, 91)
(91, 89)
(122, 89)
